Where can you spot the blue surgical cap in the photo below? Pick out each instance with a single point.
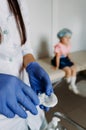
(64, 32)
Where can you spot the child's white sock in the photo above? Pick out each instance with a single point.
(73, 80)
(68, 79)
(73, 86)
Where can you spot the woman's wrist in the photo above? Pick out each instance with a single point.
(27, 59)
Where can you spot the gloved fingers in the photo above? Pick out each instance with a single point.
(27, 103)
(7, 112)
(47, 84)
(49, 90)
(17, 109)
(44, 108)
(30, 93)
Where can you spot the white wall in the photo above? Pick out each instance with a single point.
(71, 14)
(40, 19)
(47, 17)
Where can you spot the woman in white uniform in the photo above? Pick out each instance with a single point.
(16, 55)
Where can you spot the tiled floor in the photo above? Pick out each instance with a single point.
(70, 104)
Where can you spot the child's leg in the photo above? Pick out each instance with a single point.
(73, 71)
(73, 80)
(67, 74)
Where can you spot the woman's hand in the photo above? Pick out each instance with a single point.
(14, 94)
(39, 80)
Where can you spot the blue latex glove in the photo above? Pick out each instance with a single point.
(39, 80)
(14, 94)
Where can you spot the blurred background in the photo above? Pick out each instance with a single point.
(47, 17)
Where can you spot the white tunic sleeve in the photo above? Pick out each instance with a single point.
(26, 48)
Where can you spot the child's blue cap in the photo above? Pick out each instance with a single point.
(64, 32)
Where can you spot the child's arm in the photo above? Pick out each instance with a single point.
(70, 57)
(57, 60)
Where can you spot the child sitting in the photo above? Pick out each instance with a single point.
(62, 59)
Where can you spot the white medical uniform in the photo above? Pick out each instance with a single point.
(11, 59)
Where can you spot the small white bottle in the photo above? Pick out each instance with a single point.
(53, 124)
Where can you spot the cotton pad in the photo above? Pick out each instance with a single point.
(48, 101)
